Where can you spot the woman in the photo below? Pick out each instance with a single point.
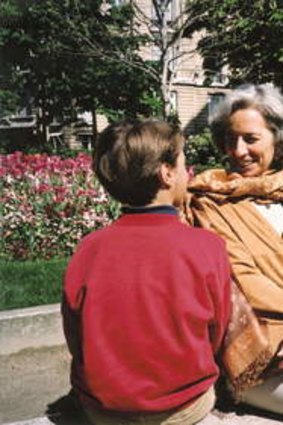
(245, 206)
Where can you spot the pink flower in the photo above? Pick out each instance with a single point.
(49, 203)
(44, 188)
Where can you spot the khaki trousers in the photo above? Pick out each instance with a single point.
(188, 416)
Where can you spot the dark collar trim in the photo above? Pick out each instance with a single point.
(157, 209)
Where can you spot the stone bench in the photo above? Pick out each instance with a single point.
(34, 372)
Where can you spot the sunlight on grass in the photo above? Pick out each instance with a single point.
(30, 283)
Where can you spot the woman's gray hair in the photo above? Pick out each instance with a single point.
(265, 98)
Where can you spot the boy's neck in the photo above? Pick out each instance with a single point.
(163, 197)
(161, 200)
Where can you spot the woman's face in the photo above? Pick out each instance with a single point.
(249, 143)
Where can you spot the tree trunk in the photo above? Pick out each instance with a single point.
(94, 127)
(165, 93)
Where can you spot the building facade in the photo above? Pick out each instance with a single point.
(190, 96)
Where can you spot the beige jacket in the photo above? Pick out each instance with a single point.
(256, 254)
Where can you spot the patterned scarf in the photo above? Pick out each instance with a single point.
(225, 187)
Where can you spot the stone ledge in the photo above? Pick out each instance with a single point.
(211, 419)
(39, 329)
(30, 327)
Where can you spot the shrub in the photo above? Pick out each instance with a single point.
(201, 152)
(49, 204)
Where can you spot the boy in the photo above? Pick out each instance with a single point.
(146, 299)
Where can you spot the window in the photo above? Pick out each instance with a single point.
(214, 100)
(219, 79)
(174, 101)
(155, 53)
(173, 55)
(118, 3)
(170, 11)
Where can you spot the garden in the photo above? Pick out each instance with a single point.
(48, 203)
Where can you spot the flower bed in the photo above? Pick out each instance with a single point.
(48, 204)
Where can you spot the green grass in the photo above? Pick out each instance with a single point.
(30, 283)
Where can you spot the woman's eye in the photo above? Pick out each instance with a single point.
(250, 139)
(230, 142)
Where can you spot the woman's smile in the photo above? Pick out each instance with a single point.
(249, 143)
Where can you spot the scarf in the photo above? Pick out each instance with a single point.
(227, 187)
(246, 355)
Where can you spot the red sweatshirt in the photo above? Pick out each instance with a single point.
(146, 303)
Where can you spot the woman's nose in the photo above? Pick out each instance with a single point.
(240, 148)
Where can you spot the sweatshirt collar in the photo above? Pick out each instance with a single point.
(156, 209)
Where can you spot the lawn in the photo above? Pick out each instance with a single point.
(30, 283)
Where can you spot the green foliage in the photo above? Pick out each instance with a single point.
(8, 101)
(201, 152)
(30, 283)
(16, 140)
(246, 36)
(152, 99)
(68, 55)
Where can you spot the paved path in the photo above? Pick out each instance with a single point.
(30, 380)
(212, 419)
(33, 381)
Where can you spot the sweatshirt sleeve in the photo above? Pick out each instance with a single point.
(73, 297)
(262, 292)
(220, 292)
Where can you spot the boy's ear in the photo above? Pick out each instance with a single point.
(166, 174)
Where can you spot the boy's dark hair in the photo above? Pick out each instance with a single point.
(128, 155)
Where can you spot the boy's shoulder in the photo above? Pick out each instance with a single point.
(92, 238)
(203, 246)
(178, 234)
(200, 234)
(204, 242)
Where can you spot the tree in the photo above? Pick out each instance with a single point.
(46, 44)
(244, 36)
(100, 44)
(164, 26)
(159, 27)
(9, 93)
